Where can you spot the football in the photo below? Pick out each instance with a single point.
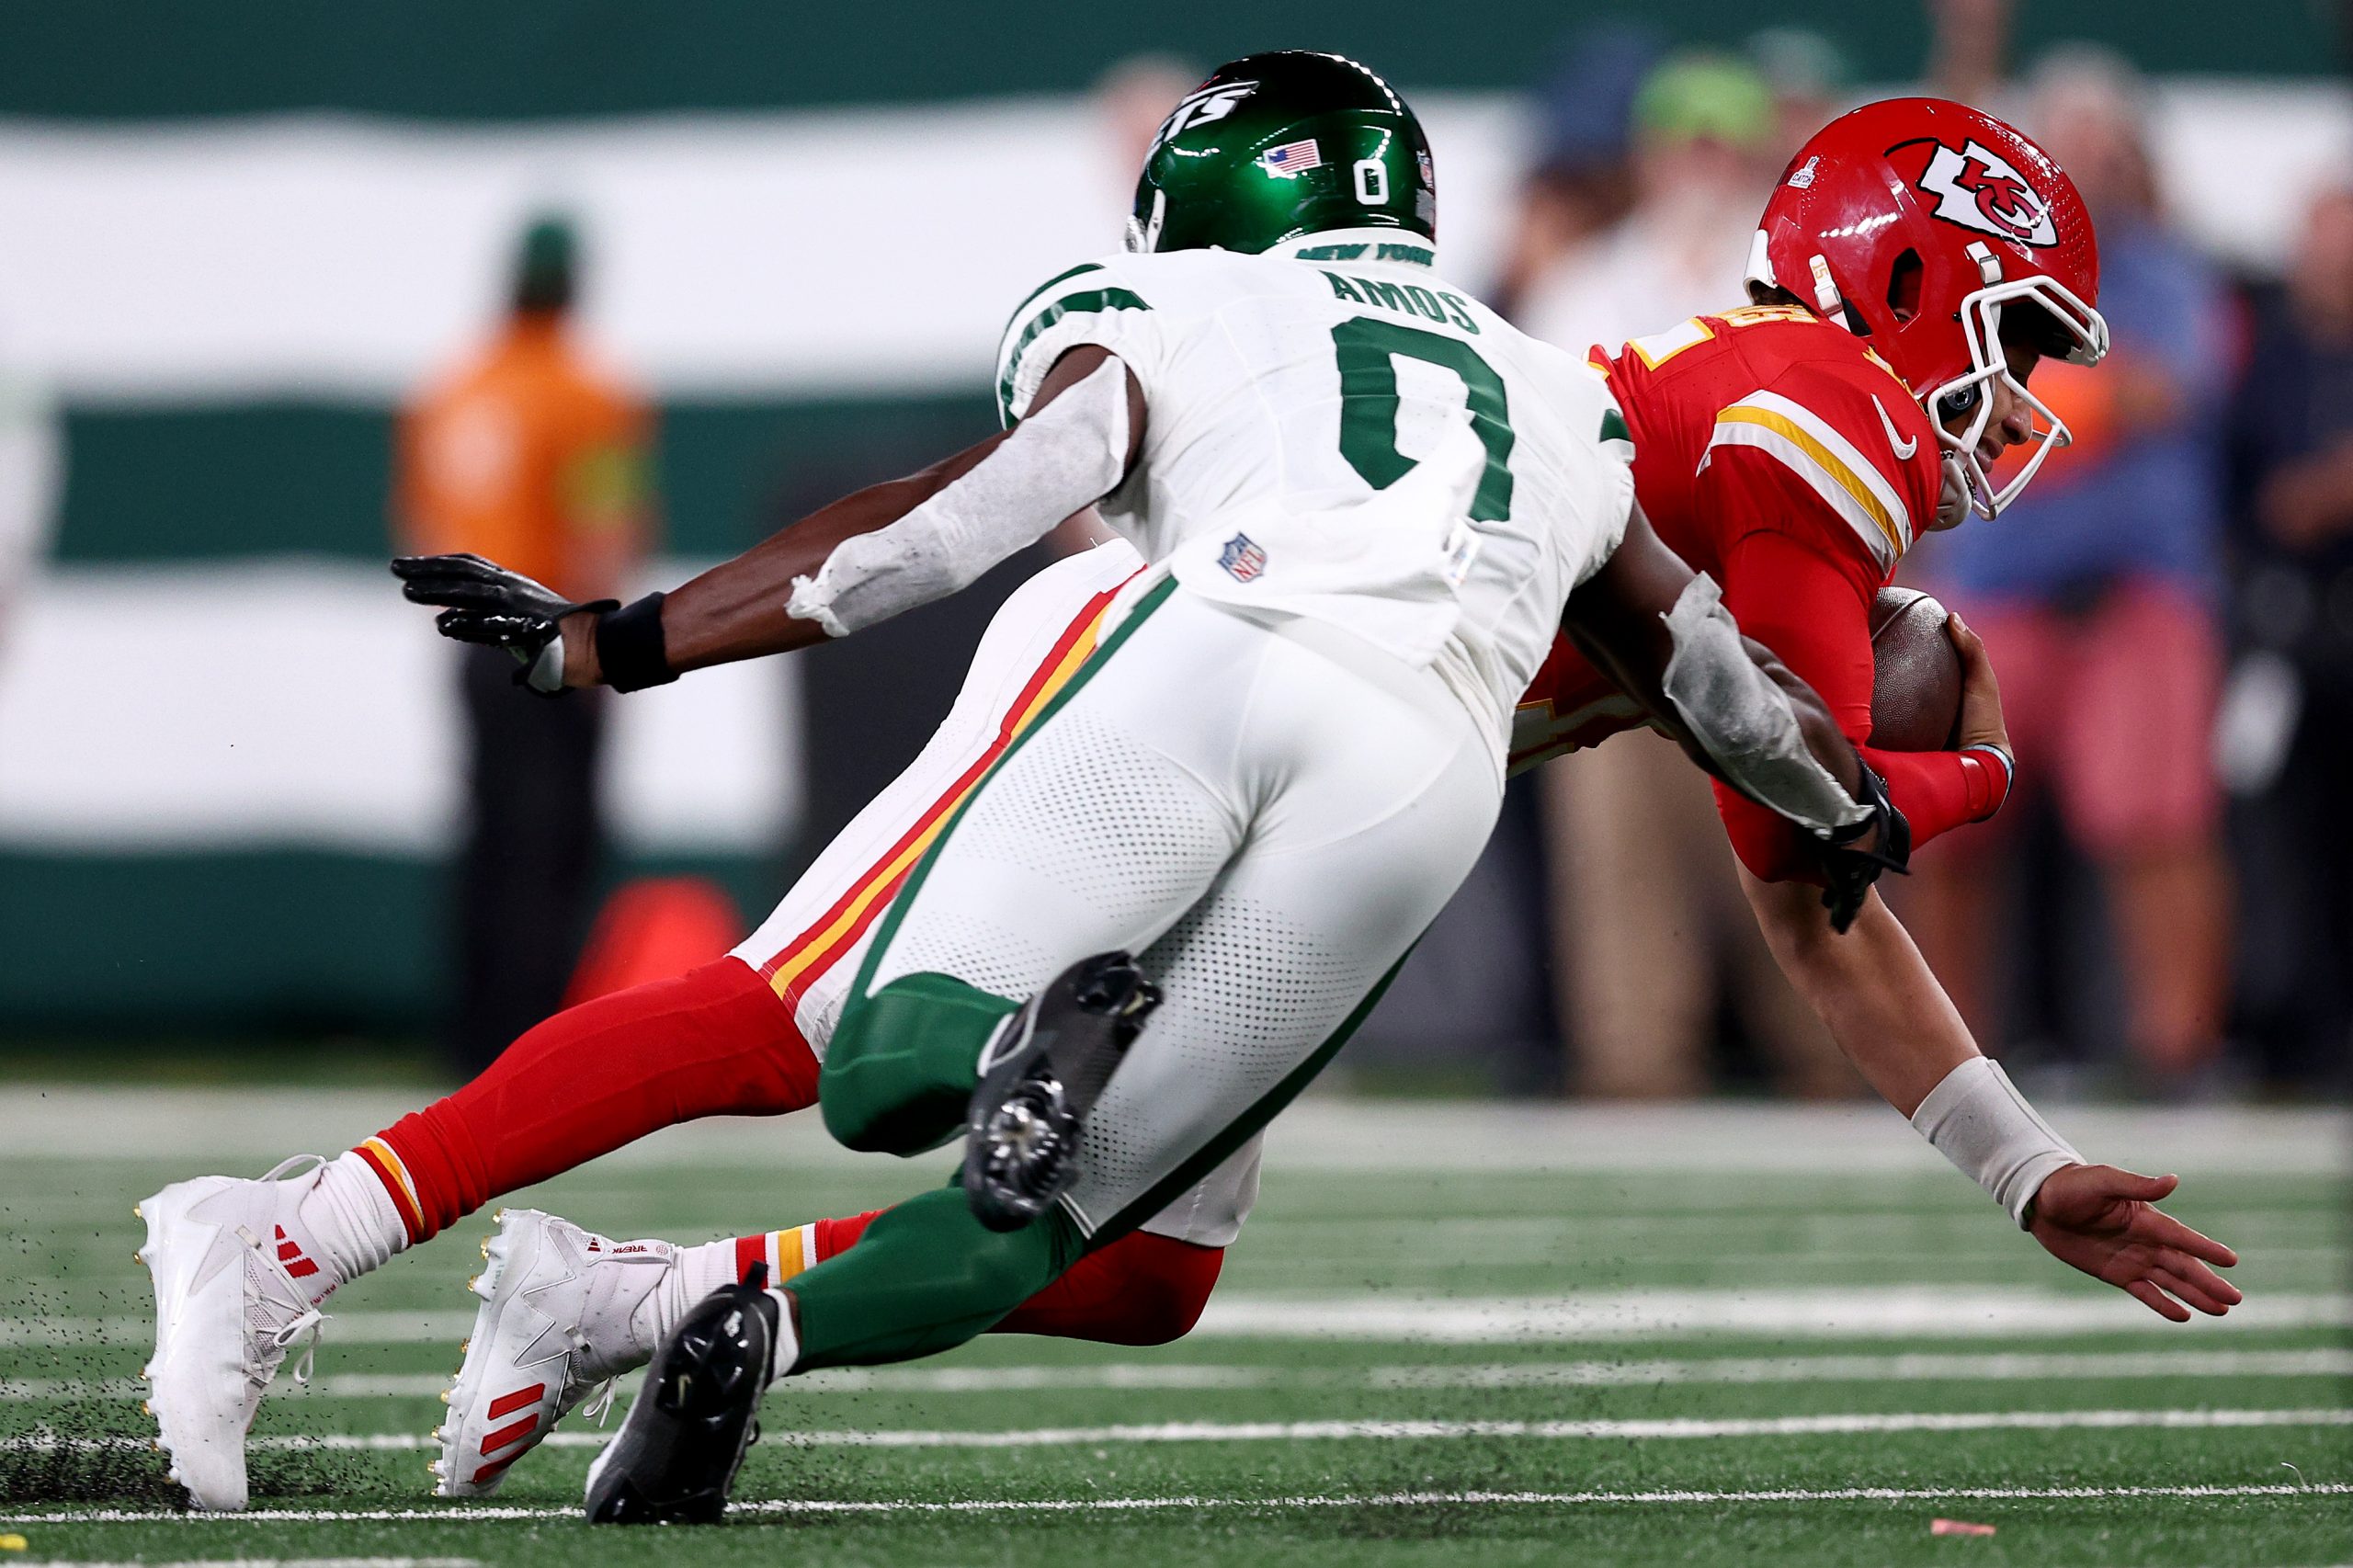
(1915, 673)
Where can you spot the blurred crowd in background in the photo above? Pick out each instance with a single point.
(2166, 907)
(2163, 908)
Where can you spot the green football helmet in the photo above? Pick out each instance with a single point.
(1275, 145)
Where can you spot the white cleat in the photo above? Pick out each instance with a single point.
(228, 1306)
(563, 1312)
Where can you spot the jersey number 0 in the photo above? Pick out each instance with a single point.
(1369, 348)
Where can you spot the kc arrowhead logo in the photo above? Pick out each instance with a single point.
(1979, 190)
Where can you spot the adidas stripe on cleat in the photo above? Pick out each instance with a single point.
(563, 1312)
(228, 1307)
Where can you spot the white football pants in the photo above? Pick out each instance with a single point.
(810, 947)
(1268, 813)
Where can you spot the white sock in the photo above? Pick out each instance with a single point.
(697, 1272)
(787, 1338)
(350, 1222)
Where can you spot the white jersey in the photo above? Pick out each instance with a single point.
(1307, 451)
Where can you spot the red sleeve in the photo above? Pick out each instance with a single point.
(1812, 609)
(1939, 791)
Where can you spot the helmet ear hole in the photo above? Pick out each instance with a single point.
(1903, 286)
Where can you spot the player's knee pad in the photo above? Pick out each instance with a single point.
(901, 1068)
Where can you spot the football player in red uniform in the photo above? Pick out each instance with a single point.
(1787, 447)
(1914, 262)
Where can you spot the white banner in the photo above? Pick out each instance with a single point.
(305, 704)
(820, 253)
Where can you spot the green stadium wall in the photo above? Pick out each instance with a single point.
(459, 59)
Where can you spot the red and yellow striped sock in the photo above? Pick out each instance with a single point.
(385, 1161)
(787, 1252)
(1140, 1290)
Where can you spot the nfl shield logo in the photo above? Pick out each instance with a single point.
(1243, 560)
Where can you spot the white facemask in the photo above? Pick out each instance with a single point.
(1981, 320)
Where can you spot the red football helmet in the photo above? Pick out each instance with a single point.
(1913, 223)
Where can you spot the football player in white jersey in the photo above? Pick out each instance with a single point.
(1367, 503)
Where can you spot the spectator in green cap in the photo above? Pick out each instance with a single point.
(1704, 98)
(1706, 146)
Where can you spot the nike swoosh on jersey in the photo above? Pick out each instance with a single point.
(1903, 449)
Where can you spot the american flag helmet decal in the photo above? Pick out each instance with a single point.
(1292, 157)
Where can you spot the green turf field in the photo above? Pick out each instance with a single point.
(1454, 1335)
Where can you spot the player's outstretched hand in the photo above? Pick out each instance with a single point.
(482, 602)
(2104, 1221)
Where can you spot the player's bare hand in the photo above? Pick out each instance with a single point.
(1981, 694)
(2105, 1221)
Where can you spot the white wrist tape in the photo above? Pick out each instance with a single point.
(1743, 720)
(1065, 456)
(1977, 1119)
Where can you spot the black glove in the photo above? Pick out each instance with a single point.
(486, 604)
(1847, 873)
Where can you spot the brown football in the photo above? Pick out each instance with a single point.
(1915, 673)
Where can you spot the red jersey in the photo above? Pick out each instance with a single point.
(1776, 452)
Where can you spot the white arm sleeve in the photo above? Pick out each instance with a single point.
(1742, 719)
(1065, 456)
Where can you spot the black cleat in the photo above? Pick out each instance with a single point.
(1040, 1078)
(675, 1459)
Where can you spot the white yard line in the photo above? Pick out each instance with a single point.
(1665, 1427)
(367, 1327)
(1858, 1311)
(465, 1514)
(2327, 1361)
(1897, 1311)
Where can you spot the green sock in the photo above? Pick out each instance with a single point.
(901, 1068)
(925, 1277)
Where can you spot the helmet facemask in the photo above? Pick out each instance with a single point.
(2075, 331)
(1143, 236)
